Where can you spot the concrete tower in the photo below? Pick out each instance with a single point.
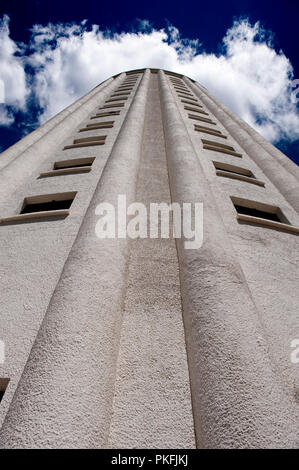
(141, 343)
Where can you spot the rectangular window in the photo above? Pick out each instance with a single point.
(106, 114)
(68, 167)
(208, 130)
(48, 202)
(181, 88)
(98, 125)
(74, 163)
(116, 105)
(202, 119)
(116, 99)
(258, 210)
(3, 386)
(233, 169)
(194, 110)
(190, 102)
(217, 147)
(87, 142)
(120, 94)
(236, 172)
(189, 97)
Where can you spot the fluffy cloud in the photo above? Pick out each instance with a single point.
(249, 76)
(13, 91)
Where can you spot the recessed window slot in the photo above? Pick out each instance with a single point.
(87, 142)
(116, 105)
(194, 110)
(190, 102)
(120, 94)
(3, 386)
(208, 130)
(106, 114)
(98, 125)
(48, 202)
(189, 97)
(116, 99)
(233, 169)
(217, 147)
(236, 172)
(259, 213)
(202, 119)
(74, 163)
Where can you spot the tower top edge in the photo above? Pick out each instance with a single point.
(153, 70)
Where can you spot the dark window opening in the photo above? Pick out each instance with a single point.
(232, 169)
(257, 213)
(76, 163)
(47, 206)
(49, 202)
(3, 386)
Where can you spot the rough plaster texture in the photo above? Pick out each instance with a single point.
(97, 331)
(71, 386)
(226, 346)
(152, 403)
(284, 179)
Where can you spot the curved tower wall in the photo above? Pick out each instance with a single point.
(139, 342)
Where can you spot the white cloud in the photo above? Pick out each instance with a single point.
(249, 75)
(12, 75)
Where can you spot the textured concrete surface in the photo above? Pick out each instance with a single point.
(236, 388)
(152, 403)
(283, 177)
(66, 388)
(141, 343)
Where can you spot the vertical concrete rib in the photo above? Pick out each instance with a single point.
(238, 399)
(26, 161)
(18, 148)
(152, 402)
(64, 397)
(283, 178)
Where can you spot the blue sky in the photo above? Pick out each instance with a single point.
(244, 52)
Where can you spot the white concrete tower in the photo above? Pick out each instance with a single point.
(142, 343)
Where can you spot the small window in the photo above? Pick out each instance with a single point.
(120, 94)
(202, 119)
(233, 169)
(194, 110)
(116, 105)
(208, 130)
(74, 163)
(97, 125)
(48, 202)
(190, 102)
(259, 210)
(189, 97)
(3, 386)
(219, 147)
(181, 88)
(87, 142)
(106, 114)
(236, 172)
(116, 99)
(69, 167)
